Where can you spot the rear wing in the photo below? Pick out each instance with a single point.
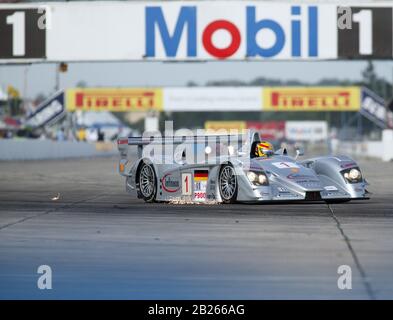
(236, 140)
(141, 141)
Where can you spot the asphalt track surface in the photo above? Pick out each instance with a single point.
(100, 242)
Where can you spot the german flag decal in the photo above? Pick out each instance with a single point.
(201, 175)
(200, 184)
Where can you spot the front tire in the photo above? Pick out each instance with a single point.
(227, 184)
(147, 183)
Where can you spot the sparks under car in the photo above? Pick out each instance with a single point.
(227, 169)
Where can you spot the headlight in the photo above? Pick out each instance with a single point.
(353, 175)
(252, 176)
(262, 179)
(257, 178)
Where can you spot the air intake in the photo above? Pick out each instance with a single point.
(313, 196)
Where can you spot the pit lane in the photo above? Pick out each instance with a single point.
(103, 243)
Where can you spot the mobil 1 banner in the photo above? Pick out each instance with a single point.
(22, 33)
(364, 32)
(194, 30)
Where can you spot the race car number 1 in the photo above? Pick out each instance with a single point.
(186, 180)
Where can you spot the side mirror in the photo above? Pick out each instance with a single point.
(299, 152)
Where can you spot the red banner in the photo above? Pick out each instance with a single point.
(268, 130)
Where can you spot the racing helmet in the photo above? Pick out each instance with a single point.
(261, 147)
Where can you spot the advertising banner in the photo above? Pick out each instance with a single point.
(216, 99)
(268, 130)
(226, 125)
(306, 130)
(194, 30)
(48, 112)
(311, 98)
(114, 99)
(213, 99)
(373, 108)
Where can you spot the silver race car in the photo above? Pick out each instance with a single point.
(226, 169)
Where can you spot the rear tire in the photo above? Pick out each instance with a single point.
(147, 183)
(227, 184)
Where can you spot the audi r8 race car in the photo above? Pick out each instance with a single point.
(234, 168)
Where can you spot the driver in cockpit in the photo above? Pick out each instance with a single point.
(262, 147)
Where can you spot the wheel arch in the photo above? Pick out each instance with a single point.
(221, 166)
(138, 167)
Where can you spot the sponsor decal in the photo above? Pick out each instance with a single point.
(200, 184)
(282, 190)
(311, 98)
(285, 165)
(122, 99)
(186, 184)
(347, 165)
(331, 188)
(304, 177)
(256, 168)
(201, 175)
(169, 184)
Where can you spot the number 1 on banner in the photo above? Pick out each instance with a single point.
(17, 20)
(365, 20)
(186, 184)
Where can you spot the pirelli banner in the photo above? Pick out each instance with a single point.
(114, 99)
(311, 98)
(209, 99)
(192, 30)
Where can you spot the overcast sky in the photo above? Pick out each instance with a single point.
(41, 77)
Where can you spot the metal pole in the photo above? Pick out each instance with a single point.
(25, 83)
(359, 126)
(342, 129)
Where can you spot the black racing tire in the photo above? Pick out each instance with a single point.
(227, 184)
(147, 182)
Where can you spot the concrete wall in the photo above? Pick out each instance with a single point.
(31, 149)
(382, 150)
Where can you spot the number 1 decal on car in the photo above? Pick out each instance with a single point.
(186, 179)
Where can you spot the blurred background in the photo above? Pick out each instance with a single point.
(84, 100)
